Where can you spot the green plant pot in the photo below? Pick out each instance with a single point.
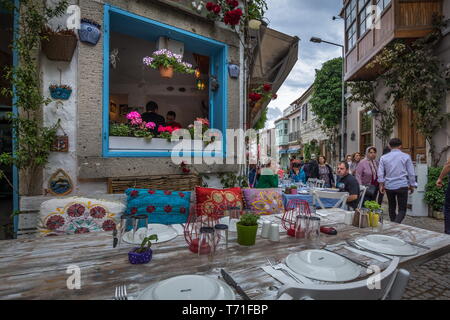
(246, 234)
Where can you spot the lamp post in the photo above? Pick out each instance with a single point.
(319, 40)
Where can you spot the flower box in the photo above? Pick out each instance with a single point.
(60, 93)
(142, 144)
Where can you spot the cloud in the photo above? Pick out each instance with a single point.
(305, 19)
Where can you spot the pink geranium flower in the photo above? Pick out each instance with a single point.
(203, 121)
(150, 125)
(133, 115)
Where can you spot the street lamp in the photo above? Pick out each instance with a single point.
(319, 40)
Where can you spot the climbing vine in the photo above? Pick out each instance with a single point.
(364, 93)
(415, 74)
(32, 140)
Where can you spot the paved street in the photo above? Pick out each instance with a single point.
(430, 281)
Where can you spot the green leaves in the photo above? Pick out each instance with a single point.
(434, 196)
(147, 243)
(372, 205)
(249, 219)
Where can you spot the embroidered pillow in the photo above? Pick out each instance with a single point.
(161, 206)
(264, 201)
(209, 201)
(78, 215)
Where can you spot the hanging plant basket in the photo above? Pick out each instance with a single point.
(166, 72)
(59, 46)
(89, 32)
(60, 92)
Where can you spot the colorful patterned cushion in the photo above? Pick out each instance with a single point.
(209, 201)
(164, 207)
(264, 201)
(78, 215)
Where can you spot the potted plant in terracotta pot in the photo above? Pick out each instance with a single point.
(247, 228)
(293, 189)
(142, 254)
(58, 45)
(168, 62)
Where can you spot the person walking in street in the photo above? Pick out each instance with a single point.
(356, 158)
(439, 183)
(396, 176)
(366, 174)
(348, 183)
(325, 172)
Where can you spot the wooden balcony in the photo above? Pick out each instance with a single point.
(402, 19)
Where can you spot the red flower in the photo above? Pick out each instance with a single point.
(55, 222)
(97, 212)
(267, 87)
(274, 96)
(216, 9)
(186, 170)
(134, 193)
(150, 209)
(232, 17)
(210, 6)
(151, 191)
(181, 194)
(82, 230)
(76, 210)
(182, 210)
(255, 96)
(108, 225)
(233, 3)
(133, 210)
(168, 208)
(167, 193)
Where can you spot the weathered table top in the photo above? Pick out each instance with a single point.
(37, 268)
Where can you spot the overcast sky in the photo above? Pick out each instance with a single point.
(304, 19)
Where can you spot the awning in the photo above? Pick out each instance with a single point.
(293, 150)
(274, 57)
(283, 152)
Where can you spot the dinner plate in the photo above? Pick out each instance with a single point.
(322, 265)
(188, 287)
(164, 233)
(386, 244)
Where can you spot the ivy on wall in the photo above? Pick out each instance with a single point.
(32, 140)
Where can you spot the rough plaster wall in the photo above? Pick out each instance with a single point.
(90, 60)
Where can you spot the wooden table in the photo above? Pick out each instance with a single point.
(36, 268)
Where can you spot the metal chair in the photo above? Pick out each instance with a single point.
(362, 193)
(340, 196)
(388, 285)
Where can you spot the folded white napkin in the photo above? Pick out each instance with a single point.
(367, 254)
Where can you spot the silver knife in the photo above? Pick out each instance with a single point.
(228, 279)
(115, 239)
(354, 245)
(362, 264)
(418, 245)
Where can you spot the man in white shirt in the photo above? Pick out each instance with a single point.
(396, 176)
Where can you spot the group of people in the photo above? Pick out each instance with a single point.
(151, 115)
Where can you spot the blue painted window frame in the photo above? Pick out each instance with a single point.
(218, 100)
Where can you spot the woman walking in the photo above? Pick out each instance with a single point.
(356, 158)
(366, 174)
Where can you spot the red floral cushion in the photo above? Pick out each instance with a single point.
(210, 201)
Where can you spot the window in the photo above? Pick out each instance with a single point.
(285, 128)
(129, 86)
(382, 4)
(350, 24)
(365, 13)
(365, 129)
(298, 123)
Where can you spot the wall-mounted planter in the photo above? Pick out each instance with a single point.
(142, 144)
(59, 47)
(89, 31)
(60, 93)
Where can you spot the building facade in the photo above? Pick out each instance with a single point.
(395, 19)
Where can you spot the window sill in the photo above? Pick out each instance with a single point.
(132, 144)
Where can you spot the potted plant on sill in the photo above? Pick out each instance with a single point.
(293, 189)
(247, 228)
(61, 92)
(89, 31)
(168, 62)
(58, 45)
(374, 212)
(142, 254)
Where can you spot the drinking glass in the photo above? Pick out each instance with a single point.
(221, 233)
(313, 234)
(140, 221)
(301, 226)
(126, 224)
(206, 243)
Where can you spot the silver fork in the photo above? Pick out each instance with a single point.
(121, 293)
(287, 272)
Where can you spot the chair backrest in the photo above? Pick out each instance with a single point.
(340, 196)
(320, 183)
(311, 182)
(387, 285)
(362, 193)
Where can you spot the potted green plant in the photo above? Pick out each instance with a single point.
(293, 189)
(247, 228)
(167, 62)
(142, 254)
(374, 211)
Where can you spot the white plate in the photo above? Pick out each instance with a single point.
(386, 244)
(188, 287)
(322, 265)
(164, 233)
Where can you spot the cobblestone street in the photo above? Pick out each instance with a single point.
(430, 281)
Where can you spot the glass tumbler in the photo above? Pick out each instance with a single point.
(206, 243)
(221, 233)
(313, 234)
(140, 221)
(301, 226)
(125, 225)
